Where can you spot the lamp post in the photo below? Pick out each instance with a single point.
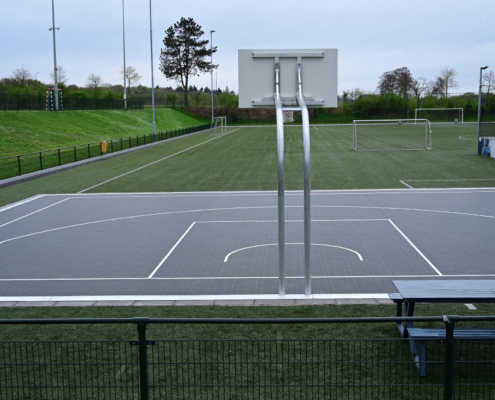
(152, 79)
(480, 145)
(55, 82)
(211, 72)
(36, 77)
(123, 37)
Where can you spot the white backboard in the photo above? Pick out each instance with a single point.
(257, 77)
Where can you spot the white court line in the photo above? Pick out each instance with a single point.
(154, 162)
(276, 244)
(34, 212)
(199, 297)
(20, 203)
(450, 180)
(404, 183)
(170, 252)
(240, 208)
(415, 248)
(212, 278)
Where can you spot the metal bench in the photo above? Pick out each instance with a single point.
(419, 337)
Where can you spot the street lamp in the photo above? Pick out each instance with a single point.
(211, 72)
(123, 37)
(480, 145)
(36, 77)
(55, 82)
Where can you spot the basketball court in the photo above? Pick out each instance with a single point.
(224, 245)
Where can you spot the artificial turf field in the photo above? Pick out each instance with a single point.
(245, 159)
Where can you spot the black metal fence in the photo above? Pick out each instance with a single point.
(249, 369)
(19, 102)
(31, 162)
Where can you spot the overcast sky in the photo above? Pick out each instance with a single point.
(372, 36)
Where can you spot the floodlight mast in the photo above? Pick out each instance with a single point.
(479, 110)
(211, 73)
(55, 78)
(152, 80)
(125, 75)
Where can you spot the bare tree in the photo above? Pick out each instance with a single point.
(61, 75)
(419, 86)
(489, 80)
(446, 81)
(93, 81)
(131, 75)
(21, 76)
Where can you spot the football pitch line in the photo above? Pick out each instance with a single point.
(404, 182)
(154, 162)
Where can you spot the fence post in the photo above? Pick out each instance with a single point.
(41, 162)
(19, 164)
(89, 151)
(143, 357)
(5, 101)
(449, 356)
(59, 159)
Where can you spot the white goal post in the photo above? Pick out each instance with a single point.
(447, 115)
(391, 134)
(218, 126)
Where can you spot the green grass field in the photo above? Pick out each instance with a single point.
(245, 159)
(26, 132)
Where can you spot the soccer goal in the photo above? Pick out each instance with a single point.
(441, 115)
(218, 126)
(391, 134)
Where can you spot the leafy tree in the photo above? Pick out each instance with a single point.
(20, 77)
(94, 81)
(185, 53)
(61, 76)
(131, 75)
(172, 99)
(398, 81)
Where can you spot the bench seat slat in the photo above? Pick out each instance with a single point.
(421, 333)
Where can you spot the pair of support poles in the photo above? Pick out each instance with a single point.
(281, 178)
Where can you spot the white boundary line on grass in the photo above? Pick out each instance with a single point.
(154, 162)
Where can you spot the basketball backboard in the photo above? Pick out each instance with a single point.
(257, 77)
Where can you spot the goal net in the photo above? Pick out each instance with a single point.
(441, 115)
(391, 134)
(218, 126)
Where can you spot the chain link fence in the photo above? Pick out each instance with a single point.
(26, 163)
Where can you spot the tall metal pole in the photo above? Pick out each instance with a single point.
(55, 79)
(479, 100)
(152, 77)
(125, 74)
(211, 72)
(307, 183)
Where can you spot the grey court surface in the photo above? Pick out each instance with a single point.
(222, 245)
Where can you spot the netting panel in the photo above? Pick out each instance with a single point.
(381, 135)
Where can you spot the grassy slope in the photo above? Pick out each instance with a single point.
(246, 160)
(25, 132)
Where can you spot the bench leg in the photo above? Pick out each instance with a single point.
(409, 307)
(418, 353)
(400, 327)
